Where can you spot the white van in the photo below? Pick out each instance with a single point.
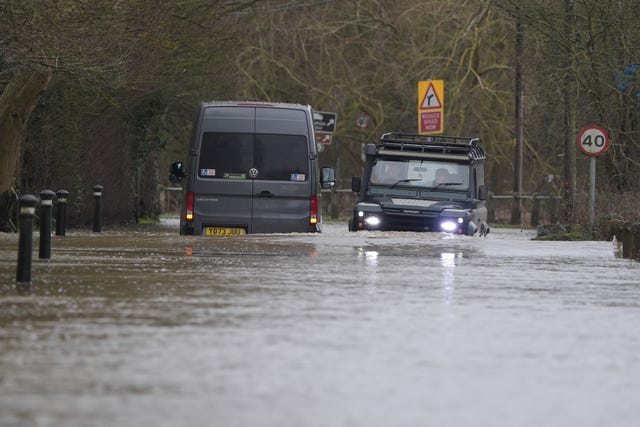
(252, 168)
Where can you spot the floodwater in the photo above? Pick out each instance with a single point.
(148, 328)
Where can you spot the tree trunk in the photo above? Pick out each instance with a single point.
(16, 103)
(570, 168)
(516, 207)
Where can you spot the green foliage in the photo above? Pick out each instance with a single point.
(148, 126)
(571, 236)
(148, 221)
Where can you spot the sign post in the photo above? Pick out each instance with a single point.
(431, 106)
(593, 141)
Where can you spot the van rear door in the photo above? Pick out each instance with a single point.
(283, 186)
(223, 189)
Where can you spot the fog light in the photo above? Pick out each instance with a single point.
(372, 221)
(449, 226)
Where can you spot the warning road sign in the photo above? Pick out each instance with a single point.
(430, 100)
(431, 106)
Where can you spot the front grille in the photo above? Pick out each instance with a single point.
(408, 222)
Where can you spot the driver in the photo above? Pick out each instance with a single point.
(442, 175)
(389, 172)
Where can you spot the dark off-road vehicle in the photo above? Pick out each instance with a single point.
(414, 182)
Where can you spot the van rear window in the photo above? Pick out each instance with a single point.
(275, 157)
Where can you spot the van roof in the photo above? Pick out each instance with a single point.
(260, 104)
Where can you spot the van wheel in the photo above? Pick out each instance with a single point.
(351, 224)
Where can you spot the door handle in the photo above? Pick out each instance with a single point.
(265, 193)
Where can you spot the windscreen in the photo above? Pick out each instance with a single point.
(420, 173)
(275, 157)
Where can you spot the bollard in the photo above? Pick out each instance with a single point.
(46, 206)
(61, 212)
(28, 204)
(97, 218)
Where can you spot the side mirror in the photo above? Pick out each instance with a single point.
(356, 184)
(177, 172)
(483, 192)
(327, 177)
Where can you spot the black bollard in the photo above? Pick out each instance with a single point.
(61, 212)
(28, 204)
(97, 218)
(46, 206)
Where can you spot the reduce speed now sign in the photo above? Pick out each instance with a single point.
(593, 141)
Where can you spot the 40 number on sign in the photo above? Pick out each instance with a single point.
(593, 141)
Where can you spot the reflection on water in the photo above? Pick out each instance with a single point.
(370, 258)
(448, 263)
(359, 329)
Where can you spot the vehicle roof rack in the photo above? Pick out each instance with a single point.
(433, 144)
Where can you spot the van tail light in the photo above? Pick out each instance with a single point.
(190, 202)
(313, 210)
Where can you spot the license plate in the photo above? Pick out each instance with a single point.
(223, 231)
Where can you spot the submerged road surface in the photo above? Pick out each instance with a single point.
(149, 328)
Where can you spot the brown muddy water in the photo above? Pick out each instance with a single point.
(145, 327)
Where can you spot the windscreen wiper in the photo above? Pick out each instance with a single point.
(402, 181)
(444, 184)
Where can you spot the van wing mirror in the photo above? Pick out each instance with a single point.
(177, 172)
(483, 192)
(327, 177)
(356, 184)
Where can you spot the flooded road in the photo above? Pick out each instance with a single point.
(142, 328)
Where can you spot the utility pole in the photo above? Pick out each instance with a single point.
(516, 207)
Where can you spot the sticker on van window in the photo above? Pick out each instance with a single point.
(297, 177)
(235, 175)
(207, 172)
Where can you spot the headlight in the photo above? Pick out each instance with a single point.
(450, 225)
(372, 221)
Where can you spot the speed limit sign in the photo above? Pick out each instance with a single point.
(593, 141)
